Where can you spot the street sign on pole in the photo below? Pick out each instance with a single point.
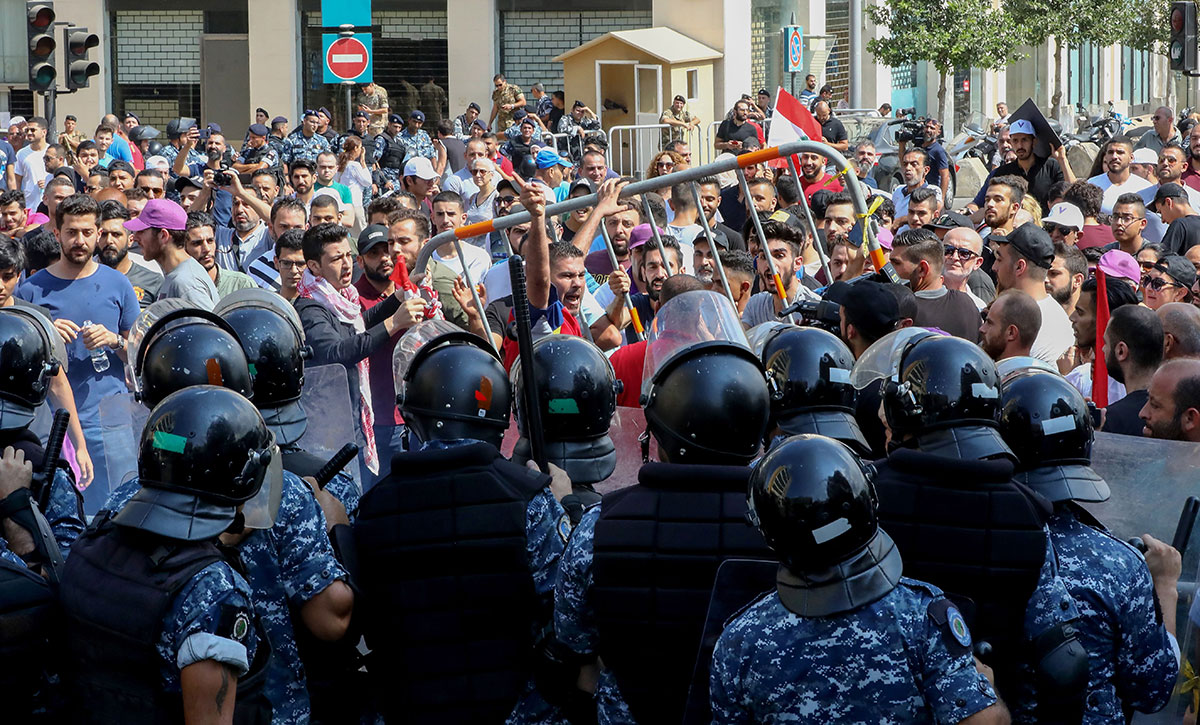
(346, 12)
(793, 48)
(347, 58)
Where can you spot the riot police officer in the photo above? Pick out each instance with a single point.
(389, 151)
(577, 397)
(272, 338)
(457, 546)
(295, 577)
(31, 545)
(159, 620)
(1128, 631)
(808, 374)
(842, 634)
(635, 580)
(946, 494)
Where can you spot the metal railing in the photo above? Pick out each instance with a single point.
(691, 175)
(631, 147)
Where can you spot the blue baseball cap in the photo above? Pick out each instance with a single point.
(548, 157)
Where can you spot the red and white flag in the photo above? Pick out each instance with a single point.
(792, 121)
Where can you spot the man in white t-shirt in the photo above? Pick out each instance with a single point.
(449, 213)
(31, 162)
(1023, 258)
(1118, 178)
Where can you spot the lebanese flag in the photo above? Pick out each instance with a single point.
(791, 122)
(1100, 369)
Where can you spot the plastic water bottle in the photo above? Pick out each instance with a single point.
(99, 355)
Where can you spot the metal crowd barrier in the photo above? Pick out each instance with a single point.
(691, 175)
(631, 147)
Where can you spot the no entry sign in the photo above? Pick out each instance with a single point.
(347, 58)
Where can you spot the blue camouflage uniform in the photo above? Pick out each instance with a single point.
(296, 146)
(62, 513)
(547, 528)
(345, 490)
(267, 153)
(7, 554)
(575, 618)
(417, 144)
(287, 566)
(190, 632)
(170, 153)
(1132, 660)
(888, 662)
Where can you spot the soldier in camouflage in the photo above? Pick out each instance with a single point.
(844, 637)
(305, 143)
(1126, 602)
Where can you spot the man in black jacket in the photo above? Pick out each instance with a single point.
(337, 328)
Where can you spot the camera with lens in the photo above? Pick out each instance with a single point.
(222, 178)
(825, 314)
(912, 131)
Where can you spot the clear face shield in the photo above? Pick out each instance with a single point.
(410, 342)
(265, 465)
(691, 319)
(882, 359)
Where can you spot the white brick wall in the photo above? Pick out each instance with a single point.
(413, 24)
(158, 46)
(531, 39)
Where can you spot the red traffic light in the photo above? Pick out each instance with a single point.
(1176, 20)
(40, 16)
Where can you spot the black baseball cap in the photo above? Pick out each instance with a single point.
(868, 306)
(122, 166)
(1031, 241)
(950, 220)
(371, 236)
(1177, 268)
(506, 184)
(763, 92)
(1167, 191)
(185, 181)
(581, 183)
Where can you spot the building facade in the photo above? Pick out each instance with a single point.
(221, 59)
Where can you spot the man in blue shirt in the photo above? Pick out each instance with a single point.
(93, 307)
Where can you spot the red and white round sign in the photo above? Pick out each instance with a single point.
(347, 58)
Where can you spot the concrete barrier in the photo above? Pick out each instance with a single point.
(1081, 158)
(971, 174)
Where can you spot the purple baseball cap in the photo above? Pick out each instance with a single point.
(642, 234)
(1116, 263)
(159, 214)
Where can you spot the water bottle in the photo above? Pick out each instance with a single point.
(99, 355)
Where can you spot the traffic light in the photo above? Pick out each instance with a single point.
(1183, 36)
(79, 68)
(40, 28)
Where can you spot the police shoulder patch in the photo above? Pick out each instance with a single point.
(234, 623)
(564, 527)
(955, 633)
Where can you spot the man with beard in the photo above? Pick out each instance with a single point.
(1117, 178)
(1172, 409)
(1066, 275)
(247, 239)
(735, 131)
(1133, 350)
(1023, 259)
(914, 166)
(786, 247)
(160, 232)
(93, 308)
(1002, 201)
(710, 201)
(619, 224)
(814, 178)
(112, 250)
(201, 246)
(651, 273)
(1083, 326)
(1010, 326)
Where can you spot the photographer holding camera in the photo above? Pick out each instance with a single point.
(929, 139)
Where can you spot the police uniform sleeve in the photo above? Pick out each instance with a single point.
(345, 490)
(8, 555)
(211, 619)
(306, 560)
(547, 528)
(63, 512)
(953, 688)
(726, 674)
(574, 617)
(1146, 664)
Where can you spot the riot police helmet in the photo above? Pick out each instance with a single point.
(814, 501)
(206, 462)
(808, 374)
(31, 353)
(703, 389)
(1046, 422)
(190, 347)
(944, 396)
(576, 393)
(272, 338)
(450, 384)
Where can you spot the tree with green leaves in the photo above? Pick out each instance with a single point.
(1072, 23)
(948, 34)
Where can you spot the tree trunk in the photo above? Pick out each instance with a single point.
(941, 114)
(1058, 79)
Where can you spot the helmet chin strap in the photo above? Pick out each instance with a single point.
(238, 526)
(644, 440)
